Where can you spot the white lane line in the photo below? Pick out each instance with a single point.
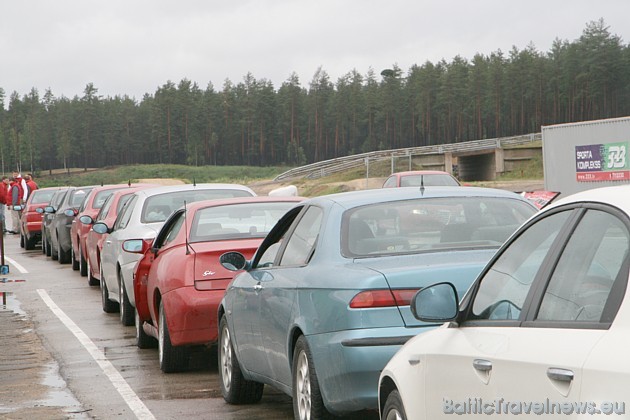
(135, 404)
(16, 265)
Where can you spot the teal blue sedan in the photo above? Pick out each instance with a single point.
(324, 303)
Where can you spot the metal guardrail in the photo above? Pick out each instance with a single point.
(331, 166)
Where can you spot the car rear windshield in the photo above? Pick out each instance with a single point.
(42, 196)
(436, 180)
(78, 196)
(431, 224)
(236, 221)
(101, 196)
(158, 207)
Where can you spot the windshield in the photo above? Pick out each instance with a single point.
(158, 207)
(236, 221)
(431, 224)
(78, 196)
(42, 196)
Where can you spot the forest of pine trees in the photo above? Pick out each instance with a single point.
(255, 123)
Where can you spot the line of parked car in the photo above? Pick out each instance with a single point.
(325, 298)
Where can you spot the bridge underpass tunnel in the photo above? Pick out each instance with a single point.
(480, 167)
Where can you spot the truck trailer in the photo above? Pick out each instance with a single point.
(584, 155)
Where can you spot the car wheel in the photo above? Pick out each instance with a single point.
(394, 409)
(234, 387)
(92, 281)
(108, 305)
(21, 241)
(43, 244)
(64, 256)
(29, 244)
(172, 358)
(53, 251)
(127, 316)
(48, 248)
(73, 259)
(143, 340)
(82, 263)
(307, 398)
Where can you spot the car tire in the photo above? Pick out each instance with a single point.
(43, 244)
(29, 243)
(234, 387)
(54, 254)
(143, 340)
(92, 281)
(127, 316)
(48, 249)
(108, 305)
(172, 358)
(21, 241)
(82, 263)
(394, 409)
(64, 256)
(73, 259)
(307, 398)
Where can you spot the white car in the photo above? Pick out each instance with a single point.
(543, 331)
(141, 218)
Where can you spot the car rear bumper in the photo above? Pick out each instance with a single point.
(348, 364)
(192, 315)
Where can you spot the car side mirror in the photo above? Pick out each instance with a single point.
(86, 220)
(436, 303)
(233, 261)
(134, 246)
(69, 212)
(101, 228)
(18, 208)
(40, 210)
(49, 209)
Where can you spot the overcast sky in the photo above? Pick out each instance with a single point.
(134, 46)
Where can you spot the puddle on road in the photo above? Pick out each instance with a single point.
(59, 395)
(56, 395)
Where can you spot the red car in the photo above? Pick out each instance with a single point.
(418, 178)
(179, 282)
(93, 240)
(79, 230)
(31, 220)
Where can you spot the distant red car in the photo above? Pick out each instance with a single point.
(93, 240)
(179, 282)
(418, 178)
(79, 230)
(31, 220)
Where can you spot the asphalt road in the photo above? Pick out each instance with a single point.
(62, 357)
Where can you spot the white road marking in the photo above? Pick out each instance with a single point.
(16, 265)
(135, 404)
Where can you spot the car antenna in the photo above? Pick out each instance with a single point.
(129, 183)
(186, 229)
(194, 182)
(422, 184)
(101, 182)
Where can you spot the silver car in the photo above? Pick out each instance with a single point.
(141, 218)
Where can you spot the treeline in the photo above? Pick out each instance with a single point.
(253, 123)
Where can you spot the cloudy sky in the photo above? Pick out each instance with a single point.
(134, 46)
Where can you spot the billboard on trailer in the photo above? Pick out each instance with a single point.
(584, 155)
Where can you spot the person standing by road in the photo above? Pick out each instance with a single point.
(23, 187)
(31, 185)
(3, 201)
(15, 198)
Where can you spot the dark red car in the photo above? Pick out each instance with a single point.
(79, 230)
(94, 240)
(179, 282)
(31, 219)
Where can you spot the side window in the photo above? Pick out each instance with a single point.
(590, 263)
(173, 229)
(125, 215)
(391, 182)
(505, 286)
(105, 209)
(301, 243)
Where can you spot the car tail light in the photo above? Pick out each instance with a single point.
(382, 298)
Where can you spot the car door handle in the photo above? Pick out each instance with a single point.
(258, 287)
(557, 374)
(482, 365)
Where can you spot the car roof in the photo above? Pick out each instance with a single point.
(240, 200)
(149, 192)
(364, 197)
(409, 173)
(618, 196)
